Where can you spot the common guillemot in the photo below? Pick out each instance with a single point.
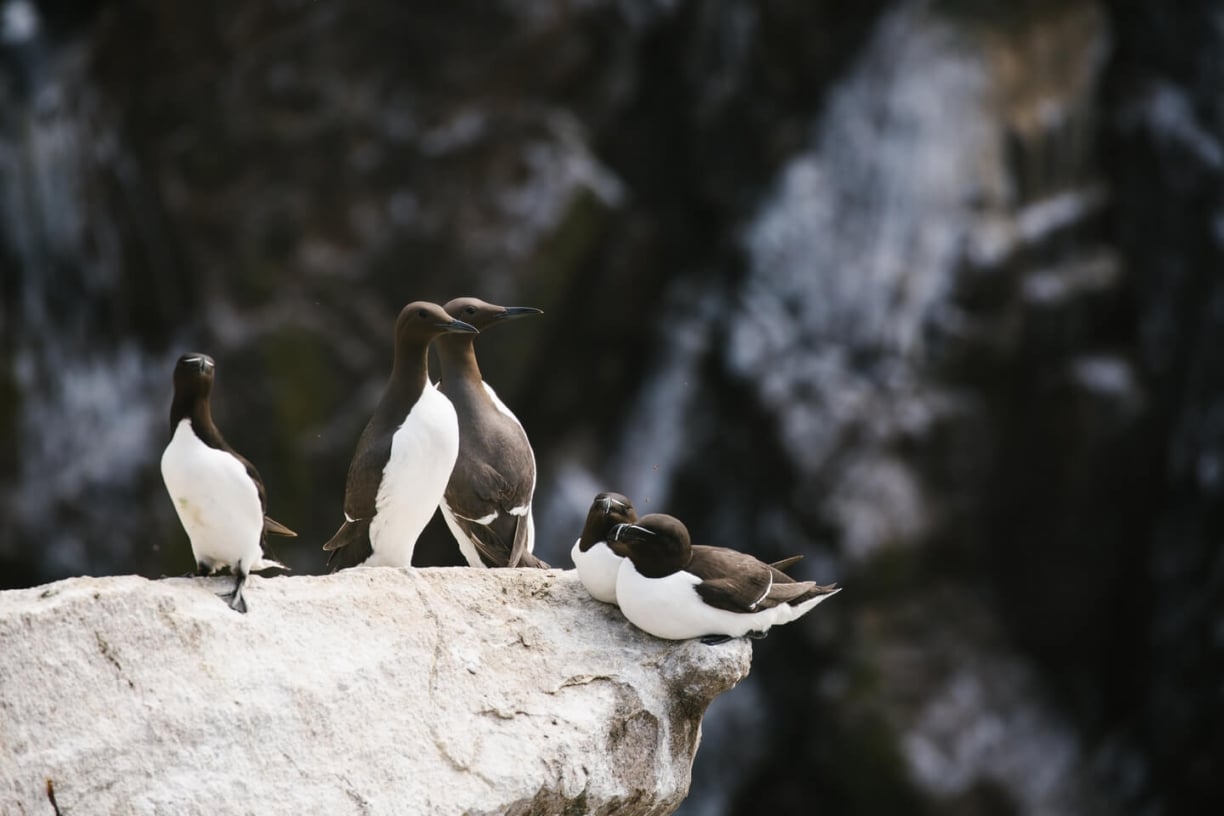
(674, 590)
(487, 503)
(405, 454)
(218, 495)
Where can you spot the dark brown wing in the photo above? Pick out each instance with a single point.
(731, 580)
(350, 545)
(493, 541)
(786, 563)
(274, 527)
(270, 524)
(365, 473)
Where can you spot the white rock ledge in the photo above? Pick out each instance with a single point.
(371, 691)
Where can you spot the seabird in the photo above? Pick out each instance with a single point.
(674, 590)
(596, 564)
(487, 504)
(405, 454)
(218, 495)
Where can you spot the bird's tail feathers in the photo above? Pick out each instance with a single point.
(274, 527)
(264, 563)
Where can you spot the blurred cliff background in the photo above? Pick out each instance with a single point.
(930, 291)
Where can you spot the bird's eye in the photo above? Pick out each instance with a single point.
(471, 310)
(421, 313)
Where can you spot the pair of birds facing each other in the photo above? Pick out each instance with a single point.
(672, 589)
(410, 459)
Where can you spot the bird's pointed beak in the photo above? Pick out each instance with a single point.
(459, 327)
(512, 312)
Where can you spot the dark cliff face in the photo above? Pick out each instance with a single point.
(927, 291)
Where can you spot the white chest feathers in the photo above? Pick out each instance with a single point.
(423, 453)
(215, 499)
(597, 568)
(670, 607)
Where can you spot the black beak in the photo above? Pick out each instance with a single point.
(201, 362)
(511, 312)
(459, 327)
(629, 532)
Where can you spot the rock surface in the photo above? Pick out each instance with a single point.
(369, 691)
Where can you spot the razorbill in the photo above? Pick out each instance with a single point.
(487, 504)
(218, 495)
(405, 454)
(674, 590)
(596, 564)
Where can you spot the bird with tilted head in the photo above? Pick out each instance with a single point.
(596, 564)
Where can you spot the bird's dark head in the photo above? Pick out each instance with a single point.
(657, 544)
(421, 321)
(193, 375)
(607, 511)
(482, 315)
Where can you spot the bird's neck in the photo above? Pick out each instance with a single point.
(461, 381)
(410, 372)
(457, 354)
(594, 531)
(199, 411)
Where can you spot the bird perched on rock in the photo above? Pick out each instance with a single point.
(596, 564)
(674, 590)
(218, 495)
(487, 504)
(405, 454)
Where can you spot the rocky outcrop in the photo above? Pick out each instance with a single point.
(369, 691)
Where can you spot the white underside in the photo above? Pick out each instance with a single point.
(670, 607)
(466, 546)
(423, 452)
(597, 568)
(215, 499)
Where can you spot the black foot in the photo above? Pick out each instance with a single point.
(758, 635)
(202, 570)
(714, 640)
(234, 596)
(235, 600)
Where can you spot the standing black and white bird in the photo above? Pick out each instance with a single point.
(596, 564)
(673, 590)
(218, 495)
(487, 504)
(405, 454)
